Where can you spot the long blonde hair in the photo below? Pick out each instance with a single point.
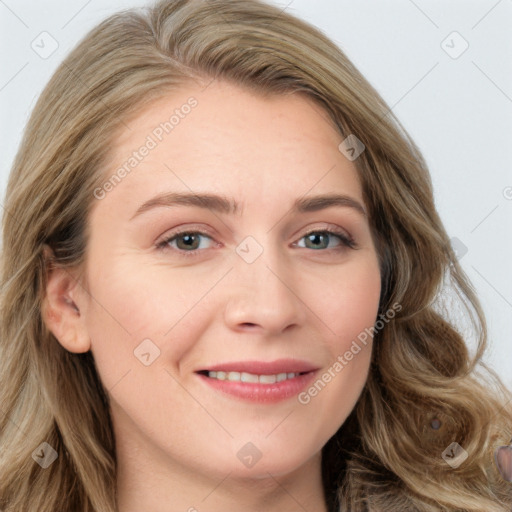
(385, 456)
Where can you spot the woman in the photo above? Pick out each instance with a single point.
(231, 287)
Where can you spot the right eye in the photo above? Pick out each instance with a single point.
(184, 241)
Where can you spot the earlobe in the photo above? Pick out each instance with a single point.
(59, 309)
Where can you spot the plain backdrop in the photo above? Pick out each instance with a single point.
(443, 66)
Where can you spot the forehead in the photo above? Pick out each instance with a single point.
(227, 137)
(227, 103)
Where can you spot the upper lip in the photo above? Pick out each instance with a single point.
(263, 367)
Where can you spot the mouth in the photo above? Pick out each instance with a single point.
(264, 382)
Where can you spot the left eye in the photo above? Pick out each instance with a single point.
(320, 237)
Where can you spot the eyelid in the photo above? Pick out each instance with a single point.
(200, 229)
(326, 226)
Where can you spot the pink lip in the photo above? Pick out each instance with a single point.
(263, 368)
(262, 393)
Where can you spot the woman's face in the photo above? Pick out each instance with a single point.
(238, 291)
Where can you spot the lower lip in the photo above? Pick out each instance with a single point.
(262, 393)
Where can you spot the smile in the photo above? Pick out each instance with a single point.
(257, 388)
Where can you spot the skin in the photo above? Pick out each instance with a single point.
(177, 439)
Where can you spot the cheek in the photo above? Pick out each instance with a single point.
(131, 305)
(348, 306)
(348, 302)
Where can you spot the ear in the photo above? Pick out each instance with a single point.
(63, 306)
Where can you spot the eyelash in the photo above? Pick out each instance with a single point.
(346, 241)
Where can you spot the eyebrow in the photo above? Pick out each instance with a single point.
(223, 204)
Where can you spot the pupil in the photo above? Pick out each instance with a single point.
(315, 238)
(188, 240)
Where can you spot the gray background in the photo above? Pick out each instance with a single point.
(456, 104)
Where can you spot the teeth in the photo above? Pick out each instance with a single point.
(248, 377)
(251, 377)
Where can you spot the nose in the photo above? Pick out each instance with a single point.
(264, 297)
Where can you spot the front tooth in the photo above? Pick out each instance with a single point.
(281, 376)
(248, 377)
(234, 376)
(267, 379)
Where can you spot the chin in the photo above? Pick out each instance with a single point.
(253, 463)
